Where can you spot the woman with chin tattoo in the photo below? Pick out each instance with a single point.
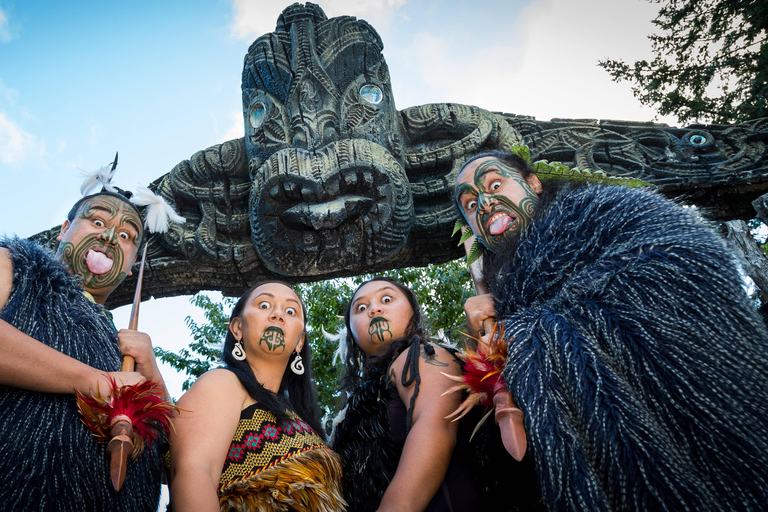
(396, 446)
(250, 437)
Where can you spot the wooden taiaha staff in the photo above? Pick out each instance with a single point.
(508, 416)
(120, 447)
(130, 415)
(133, 414)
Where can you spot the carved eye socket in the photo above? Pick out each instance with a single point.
(698, 140)
(258, 113)
(372, 94)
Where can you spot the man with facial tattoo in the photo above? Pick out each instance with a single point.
(57, 338)
(633, 351)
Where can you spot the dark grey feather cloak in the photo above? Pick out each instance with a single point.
(636, 357)
(49, 460)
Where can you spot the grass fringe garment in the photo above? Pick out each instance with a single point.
(309, 481)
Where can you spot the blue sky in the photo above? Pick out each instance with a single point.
(158, 81)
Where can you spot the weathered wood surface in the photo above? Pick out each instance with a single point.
(332, 180)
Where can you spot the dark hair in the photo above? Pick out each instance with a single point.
(509, 158)
(296, 393)
(123, 195)
(356, 361)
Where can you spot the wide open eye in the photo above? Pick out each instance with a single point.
(386, 299)
(258, 114)
(290, 311)
(360, 308)
(98, 223)
(372, 94)
(495, 185)
(263, 305)
(470, 205)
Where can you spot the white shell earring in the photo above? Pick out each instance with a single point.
(238, 352)
(297, 366)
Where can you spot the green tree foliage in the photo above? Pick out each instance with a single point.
(441, 290)
(711, 61)
(205, 349)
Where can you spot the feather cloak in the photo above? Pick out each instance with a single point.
(636, 357)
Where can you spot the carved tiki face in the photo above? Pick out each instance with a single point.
(324, 144)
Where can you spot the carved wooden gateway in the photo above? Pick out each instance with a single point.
(332, 180)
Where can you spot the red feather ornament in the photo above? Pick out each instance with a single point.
(144, 405)
(482, 380)
(482, 369)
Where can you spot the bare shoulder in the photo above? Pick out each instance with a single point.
(432, 358)
(217, 385)
(219, 379)
(6, 276)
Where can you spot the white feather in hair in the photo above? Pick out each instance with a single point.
(158, 212)
(101, 176)
(341, 338)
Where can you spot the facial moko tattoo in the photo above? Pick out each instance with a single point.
(98, 238)
(496, 199)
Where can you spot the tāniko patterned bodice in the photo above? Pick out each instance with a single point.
(275, 466)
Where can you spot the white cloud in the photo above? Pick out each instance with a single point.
(376, 12)
(558, 73)
(548, 69)
(236, 129)
(5, 32)
(16, 144)
(253, 18)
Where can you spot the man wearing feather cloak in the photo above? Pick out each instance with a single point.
(57, 338)
(640, 366)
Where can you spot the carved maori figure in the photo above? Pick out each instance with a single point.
(332, 180)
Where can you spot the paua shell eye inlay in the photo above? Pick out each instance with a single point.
(258, 113)
(372, 94)
(698, 140)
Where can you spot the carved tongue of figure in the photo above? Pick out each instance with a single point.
(499, 224)
(98, 262)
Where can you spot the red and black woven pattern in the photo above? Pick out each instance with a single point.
(260, 443)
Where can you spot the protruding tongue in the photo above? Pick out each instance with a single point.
(97, 262)
(500, 224)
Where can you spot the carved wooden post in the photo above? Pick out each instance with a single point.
(761, 207)
(738, 237)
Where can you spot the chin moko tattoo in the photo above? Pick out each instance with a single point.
(273, 338)
(379, 330)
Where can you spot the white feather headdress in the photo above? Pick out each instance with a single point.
(158, 211)
(101, 176)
